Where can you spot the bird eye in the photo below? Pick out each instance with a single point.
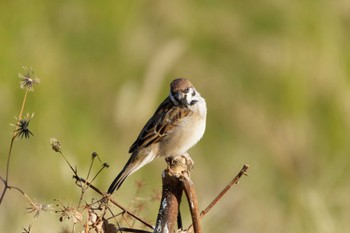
(187, 90)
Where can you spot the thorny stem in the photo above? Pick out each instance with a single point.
(6, 181)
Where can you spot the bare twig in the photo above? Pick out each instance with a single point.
(131, 214)
(124, 229)
(71, 167)
(23, 193)
(35, 207)
(79, 179)
(222, 193)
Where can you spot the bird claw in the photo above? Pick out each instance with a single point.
(182, 160)
(189, 161)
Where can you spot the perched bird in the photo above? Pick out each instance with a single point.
(177, 125)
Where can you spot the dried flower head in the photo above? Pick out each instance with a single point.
(94, 155)
(22, 127)
(56, 146)
(28, 79)
(36, 207)
(69, 212)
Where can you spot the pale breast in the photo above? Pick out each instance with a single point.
(187, 135)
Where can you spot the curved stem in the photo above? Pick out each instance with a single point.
(6, 181)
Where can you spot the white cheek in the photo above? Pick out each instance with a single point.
(188, 98)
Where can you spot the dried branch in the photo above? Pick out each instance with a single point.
(105, 197)
(84, 184)
(124, 229)
(175, 180)
(170, 203)
(234, 181)
(191, 195)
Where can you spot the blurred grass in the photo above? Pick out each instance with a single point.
(275, 76)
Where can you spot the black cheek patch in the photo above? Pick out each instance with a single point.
(193, 102)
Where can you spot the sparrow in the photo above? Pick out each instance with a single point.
(176, 126)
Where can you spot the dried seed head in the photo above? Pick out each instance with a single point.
(28, 79)
(94, 154)
(36, 207)
(56, 146)
(22, 127)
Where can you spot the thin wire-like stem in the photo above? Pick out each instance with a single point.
(90, 168)
(124, 229)
(22, 108)
(132, 215)
(14, 135)
(23, 193)
(84, 188)
(99, 171)
(6, 181)
(224, 191)
(73, 170)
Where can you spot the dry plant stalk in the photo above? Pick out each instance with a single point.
(176, 180)
(191, 195)
(28, 80)
(96, 209)
(234, 181)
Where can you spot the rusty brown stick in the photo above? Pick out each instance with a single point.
(170, 202)
(222, 193)
(191, 195)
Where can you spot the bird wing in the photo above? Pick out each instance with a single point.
(166, 117)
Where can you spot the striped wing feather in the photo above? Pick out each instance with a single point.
(166, 117)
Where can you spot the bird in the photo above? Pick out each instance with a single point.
(177, 125)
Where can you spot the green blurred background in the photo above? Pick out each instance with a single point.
(275, 75)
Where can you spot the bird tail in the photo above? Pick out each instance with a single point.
(118, 181)
(134, 163)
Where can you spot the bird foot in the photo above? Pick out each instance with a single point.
(185, 162)
(189, 161)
